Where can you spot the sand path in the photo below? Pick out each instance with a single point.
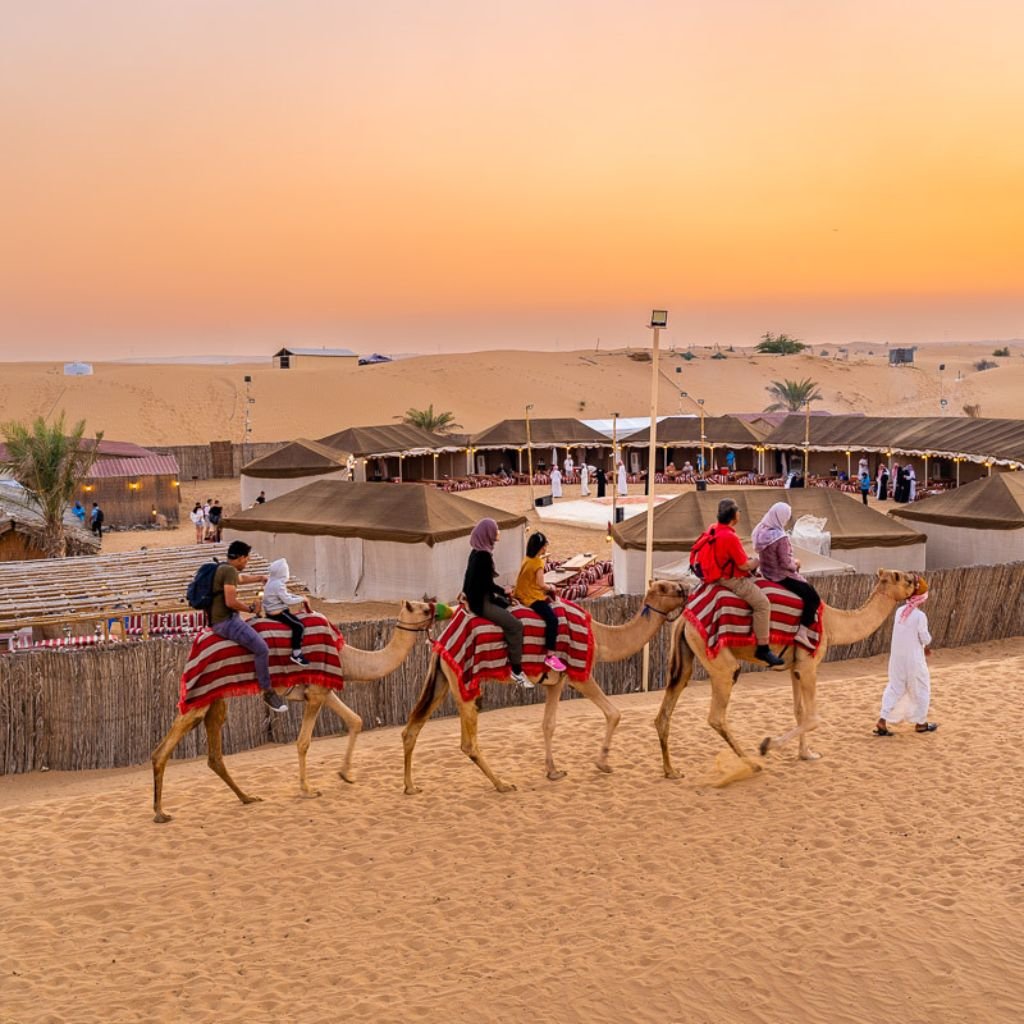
(883, 882)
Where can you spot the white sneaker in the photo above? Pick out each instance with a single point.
(519, 678)
(803, 637)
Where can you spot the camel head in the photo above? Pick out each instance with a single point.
(416, 615)
(896, 584)
(666, 596)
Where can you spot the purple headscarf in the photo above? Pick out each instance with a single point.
(484, 534)
(772, 527)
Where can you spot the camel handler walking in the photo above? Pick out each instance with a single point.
(228, 624)
(722, 560)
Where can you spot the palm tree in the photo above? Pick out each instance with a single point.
(50, 464)
(427, 419)
(792, 395)
(779, 344)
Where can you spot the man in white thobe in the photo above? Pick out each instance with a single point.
(621, 480)
(568, 468)
(556, 482)
(912, 494)
(908, 694)
(584, 480)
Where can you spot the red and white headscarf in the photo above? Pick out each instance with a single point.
(916, 599)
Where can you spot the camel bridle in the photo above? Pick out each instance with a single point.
(669, 616)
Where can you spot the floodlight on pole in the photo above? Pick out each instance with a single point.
(529, 453)
(659, 320)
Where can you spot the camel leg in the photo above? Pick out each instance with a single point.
(182, 726)
(471, 748)
(214, 723)
(354, 725)
(723, 678)
(680, 672)
(310, 713)
(434, 692)
(612, 715)
(553, 696)
(805, 687)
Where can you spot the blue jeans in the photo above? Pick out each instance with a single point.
(240, 632)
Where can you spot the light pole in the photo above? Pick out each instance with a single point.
(659, 319)
(807, 442)
(529, 454)
(615, 462)
(699, 402)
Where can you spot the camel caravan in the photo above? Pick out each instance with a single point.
(302, 657)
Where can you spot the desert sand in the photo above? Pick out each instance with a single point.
(882, 882)
(193, 404)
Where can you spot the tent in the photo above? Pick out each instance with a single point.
(680, 439)
(290, 467)
(505, 442)
(399, 451)
(981, 523)
(367, 542)
(861, 537)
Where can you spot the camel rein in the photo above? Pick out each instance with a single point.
(669, 616)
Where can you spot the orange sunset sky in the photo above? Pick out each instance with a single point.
(183, 176)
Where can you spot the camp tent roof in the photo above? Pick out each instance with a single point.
(679, 430)
(388, 439)
(950, 436)
(301, 457)
(19, 515)
(679, 522)
(314, 352)
(404, 513)
(543, 434)
(992, 503)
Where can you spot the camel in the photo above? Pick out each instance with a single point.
(839, 626)
(662, 602)
(414, 617)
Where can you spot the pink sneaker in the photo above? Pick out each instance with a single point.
(555, 663)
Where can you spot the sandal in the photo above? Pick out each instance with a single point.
(882, 731)
(926, 727)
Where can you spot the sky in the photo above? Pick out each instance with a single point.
(187, 176)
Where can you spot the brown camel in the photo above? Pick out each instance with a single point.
(611, 643)
(839, 626)
(415, 617)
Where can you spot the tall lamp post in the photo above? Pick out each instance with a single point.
(615, 462)
(659, 319)
(529, 454)
(807, 442)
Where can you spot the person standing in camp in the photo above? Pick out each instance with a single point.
(96, 518)
(228, 624)
(569, 464)
(584, 480)
(198, 521)
(730, 461)
(532, 591)
(79, 513)
(909, 692)
(601, 479)
(865, 486)
(216, 514)
(778, 564)
(489, 600)
(556, 482)
(863, 467)
(882, 484)
(620, 482)
(911, 483)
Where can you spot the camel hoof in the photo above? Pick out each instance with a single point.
(556, 776)
(505, 787)
(251, 799)
(809, 755)
(311, 794)
(673, 773)
(412, 790)
(160, 818)
(603, 766)
(346, 776)
(766, 744)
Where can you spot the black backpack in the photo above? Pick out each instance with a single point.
(200, 591)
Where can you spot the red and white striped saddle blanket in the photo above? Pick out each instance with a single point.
(475, 650)
(725, 620)
(220, 668)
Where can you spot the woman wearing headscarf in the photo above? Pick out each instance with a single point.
(599, 476)
(777, 564)
(488, 599)
(909, 692)
(882, 483)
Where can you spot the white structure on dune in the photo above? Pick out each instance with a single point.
(376, 542)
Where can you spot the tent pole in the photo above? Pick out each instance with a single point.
(649, 546)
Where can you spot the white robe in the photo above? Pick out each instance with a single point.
(913, 485)
(556, 483)
(568, 466)
(623, 489)
(584, 481)
(909, 691)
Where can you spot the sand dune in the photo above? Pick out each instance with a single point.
(882, 882)
(174, 404)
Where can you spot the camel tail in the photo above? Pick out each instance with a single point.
(433, 679)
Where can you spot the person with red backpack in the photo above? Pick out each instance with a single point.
(718, 557)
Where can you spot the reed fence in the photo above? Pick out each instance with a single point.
(107, 707)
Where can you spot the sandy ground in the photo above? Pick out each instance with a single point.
(882, 882)
(175, 404)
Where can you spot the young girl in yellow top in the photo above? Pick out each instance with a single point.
(532, 591)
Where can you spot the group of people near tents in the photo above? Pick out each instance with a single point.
(587, 475)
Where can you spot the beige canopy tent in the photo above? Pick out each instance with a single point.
(679, 438)
(981, 523)
(547, 435)
(362, 541)
(861, 537)
(290, 467)
(399, 451)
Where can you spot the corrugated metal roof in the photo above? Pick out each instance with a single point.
(153, 465)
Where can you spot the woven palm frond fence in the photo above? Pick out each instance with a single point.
(108, 706)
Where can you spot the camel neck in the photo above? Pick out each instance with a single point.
(848, 625)
(616, 643)
(360, 664)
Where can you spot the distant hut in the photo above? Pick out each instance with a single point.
(399, 451)
(981, 523)
(21, 529)
(360, 542)
(134, 490)
(861, 537)
(314, 358)
(290, 467)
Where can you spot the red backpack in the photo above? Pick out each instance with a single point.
(703, 562)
